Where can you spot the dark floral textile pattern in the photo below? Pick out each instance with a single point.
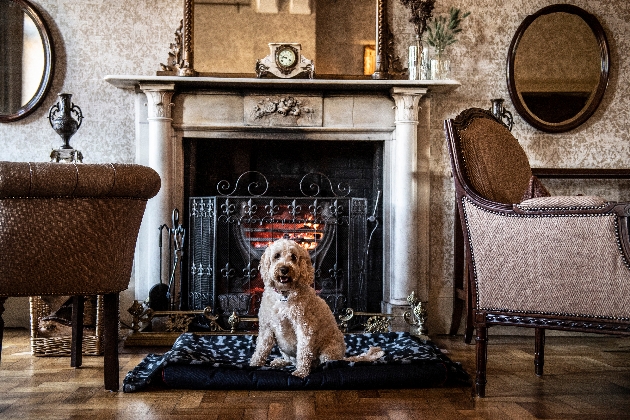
(222, 362)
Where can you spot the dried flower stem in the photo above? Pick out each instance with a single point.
(421, 12)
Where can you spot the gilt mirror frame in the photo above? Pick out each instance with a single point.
(597, 94)
(183, 56)
(49, 60)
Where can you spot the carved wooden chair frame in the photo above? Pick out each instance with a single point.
(481, 320)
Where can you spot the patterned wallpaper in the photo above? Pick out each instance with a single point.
(94, 38)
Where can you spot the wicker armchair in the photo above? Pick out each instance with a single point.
(69, 229)
(533, 260)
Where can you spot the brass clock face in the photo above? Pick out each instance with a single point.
(286, 57)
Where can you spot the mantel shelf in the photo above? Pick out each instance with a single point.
(192, 83)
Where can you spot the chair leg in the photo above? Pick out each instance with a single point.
(76, 348)
(539, 351)
(110, 341)
(482, 358)
(459, 286)
(2, 300)
(468, 331)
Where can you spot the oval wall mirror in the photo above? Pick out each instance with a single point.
(26, 59)
(557, 67)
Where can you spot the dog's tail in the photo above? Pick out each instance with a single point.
(371, 355)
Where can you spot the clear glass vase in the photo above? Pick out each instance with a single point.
(440, 67)
(418, 60)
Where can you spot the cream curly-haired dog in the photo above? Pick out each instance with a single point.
(292, 316)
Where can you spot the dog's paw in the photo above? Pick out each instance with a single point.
(256, 362)
(301, 373)
(279, 362)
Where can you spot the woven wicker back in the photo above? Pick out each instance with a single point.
(494, 162)
(70, 229)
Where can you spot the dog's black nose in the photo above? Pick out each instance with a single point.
(284, 271)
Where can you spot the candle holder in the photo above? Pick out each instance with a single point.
(501, 114)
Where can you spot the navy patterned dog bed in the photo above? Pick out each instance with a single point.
(222, 362)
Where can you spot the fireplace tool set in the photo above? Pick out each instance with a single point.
(167, 296)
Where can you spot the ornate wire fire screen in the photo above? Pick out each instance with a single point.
(229, 233)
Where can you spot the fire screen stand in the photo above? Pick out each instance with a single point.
(230, 231)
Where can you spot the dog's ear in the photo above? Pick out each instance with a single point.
(265, 264)
(306, 267)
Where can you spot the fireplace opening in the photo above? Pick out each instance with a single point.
(242, 194)
(355, 163)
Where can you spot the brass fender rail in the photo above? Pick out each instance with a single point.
(179, 322)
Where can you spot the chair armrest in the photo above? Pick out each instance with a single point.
(46, 179)
(563, 202)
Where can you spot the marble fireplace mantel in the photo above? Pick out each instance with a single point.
(397, 112)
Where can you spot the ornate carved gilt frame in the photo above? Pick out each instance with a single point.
(181, 56)
(380, 70)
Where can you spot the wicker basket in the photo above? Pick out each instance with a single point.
(60, 346)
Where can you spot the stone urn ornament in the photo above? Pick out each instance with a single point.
(65, 118)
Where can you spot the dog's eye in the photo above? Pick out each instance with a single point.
(277, 256)
(293, 257)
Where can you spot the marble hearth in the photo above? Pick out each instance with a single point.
(396, 112)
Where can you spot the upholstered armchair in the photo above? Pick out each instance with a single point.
(71, 229)
(533, 260)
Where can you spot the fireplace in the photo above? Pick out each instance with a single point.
(172, 113)
(323, 194)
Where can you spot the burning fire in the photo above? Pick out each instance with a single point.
(307, 234)
(307, 240)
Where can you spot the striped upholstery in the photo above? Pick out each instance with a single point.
(562, 202)
(568, 265)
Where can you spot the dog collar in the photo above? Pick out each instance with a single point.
(284, 295)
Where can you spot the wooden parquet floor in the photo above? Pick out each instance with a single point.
(585, 378)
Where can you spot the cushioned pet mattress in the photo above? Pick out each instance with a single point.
(222, 362)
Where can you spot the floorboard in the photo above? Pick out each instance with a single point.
(585, 377)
